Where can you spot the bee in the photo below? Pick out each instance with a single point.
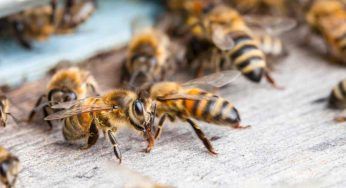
(328, 19)
(148, 55)
(65, 85)
(9, 168)
(31, 24)
(73, 15)
(187, 102)
(234, 45)
(115, 109)
(4, 110)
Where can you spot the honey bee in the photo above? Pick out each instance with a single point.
(31, 24)
(115, 109)
(4, 110)
(328, 19)
(188, 102)
(9, 168)
(65, 85)
(235, 44)
(148, 55)
(39, 23)
(73, 15)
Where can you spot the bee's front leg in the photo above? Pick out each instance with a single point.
(117, 152)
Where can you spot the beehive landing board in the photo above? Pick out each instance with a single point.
(291, 142)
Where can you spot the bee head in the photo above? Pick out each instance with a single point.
(61, 95)
(143, 111)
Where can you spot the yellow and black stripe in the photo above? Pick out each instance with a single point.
(271, 46)
(77, 126)
(246, 56)
(212, 110)
(337, 97)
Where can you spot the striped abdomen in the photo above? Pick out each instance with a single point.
(337, 97)
(246, 56)
(77, 127)
(213, 109)
(271, 46)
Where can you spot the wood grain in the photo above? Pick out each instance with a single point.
(292, 142)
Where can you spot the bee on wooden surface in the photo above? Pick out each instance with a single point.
(337, 99)
(328, 19)
(9, 168)
(115, 109)
(4, 110)
(148, 55)
(188, 102)
(235, 44)
(65, 85)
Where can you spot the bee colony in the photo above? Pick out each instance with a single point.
(175, 93)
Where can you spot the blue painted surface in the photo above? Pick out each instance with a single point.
(109, 27)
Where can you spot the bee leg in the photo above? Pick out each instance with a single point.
(272, 81)
(340, 119)
(33, 111)
(202, 136)
(45, 113)
(116, 149)
(159, 127)
(93, 136)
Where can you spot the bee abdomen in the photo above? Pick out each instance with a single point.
(337, 97)
(73, 128)
(247, 56)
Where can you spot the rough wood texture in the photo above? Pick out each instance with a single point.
(291, 143)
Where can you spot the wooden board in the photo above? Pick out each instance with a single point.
(292, 142)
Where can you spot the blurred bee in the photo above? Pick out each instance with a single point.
(148, 55)
(236, 45)
(40, 23)
(328, 19)
(9, 168)
(65, 85)
(115, 109)
(31, 24)
(4, 110)
(73, 15)
(188, 102)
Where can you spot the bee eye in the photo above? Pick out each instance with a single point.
(138, 107)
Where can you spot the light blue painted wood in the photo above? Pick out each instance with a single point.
(109, 27)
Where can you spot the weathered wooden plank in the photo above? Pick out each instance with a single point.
(291, 143)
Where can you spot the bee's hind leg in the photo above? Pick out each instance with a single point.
(33, 111)
(202, 136)
(270, 79)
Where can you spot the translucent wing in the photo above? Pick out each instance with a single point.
(79, 109)
(180, 96)
(215, 80)
(271, 25)
(69, 104)
(221, 39)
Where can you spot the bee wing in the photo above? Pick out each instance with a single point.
(271, 25)
(69, 104)
(216, 80)
(180, 96)
(79, 109)
(221, 39)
